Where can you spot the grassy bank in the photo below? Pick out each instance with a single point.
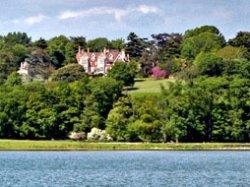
(72, 145)
(149, 86)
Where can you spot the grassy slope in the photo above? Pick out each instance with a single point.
(73, 145)
(149, 86)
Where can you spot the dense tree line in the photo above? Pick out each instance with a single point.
(37, 110)
(209, 101)
(206, 109)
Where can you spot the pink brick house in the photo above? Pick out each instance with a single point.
(100, 62)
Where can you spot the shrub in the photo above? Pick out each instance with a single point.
(124, 72)
(69, 73)
(77, 136)
(209, 64)
(230, 52)
(157, 73)
(98, 135)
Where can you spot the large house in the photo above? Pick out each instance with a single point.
(100, 62)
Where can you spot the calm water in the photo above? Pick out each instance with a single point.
(127, 168)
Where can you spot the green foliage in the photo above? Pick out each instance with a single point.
(17, 38)
(242, 39)
(119, 118)
(124, 72)
(41, 43)
(70, 54)
(19, 53)
(230, 53)
(10, 59)
(69, 73)
(57, 50)
(134, 46)
(148, 120)
(13, 79)
(239, 67)
(105, 92)
(198, 30)
(204, 42)
(147, 61)
(206, 105)
(98, 44)
(117, 44)
(206, 109)
(168, 46)
(201, 39)
(52, 110)
(78, 41)
(209, 64)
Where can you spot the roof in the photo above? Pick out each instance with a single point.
(109, 55)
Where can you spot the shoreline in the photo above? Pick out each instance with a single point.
(67, 145)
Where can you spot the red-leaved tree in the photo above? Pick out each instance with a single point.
(158, 73)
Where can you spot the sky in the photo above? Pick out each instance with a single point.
(117, 18)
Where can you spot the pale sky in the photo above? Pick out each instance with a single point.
(116, 18)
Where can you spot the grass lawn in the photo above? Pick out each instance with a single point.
(67, 145)
(149, 86)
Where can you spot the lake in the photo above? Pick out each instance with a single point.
(125, 168)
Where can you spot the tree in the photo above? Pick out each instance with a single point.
(11, 57)
(204, 42)
(124, 72)
(118, 44)
(105, 91)
(69, 73)
(168, 45)
(242, 39)
(147, 121)
(41, 43)
(119, 118)
(201, 39)
(17, 38)
(158, 73)
(57, 58)
(230, 52)
(198, 30)
(148, 60)
(209, 64)
(135, 45)
(70, 53)
(19, 53)
(239, 67)
(78, 41)
(13, 79)
(57, 50)
(98, 44)
(90, 116)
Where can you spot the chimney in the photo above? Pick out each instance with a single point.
(123, 55)
(128, 58)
